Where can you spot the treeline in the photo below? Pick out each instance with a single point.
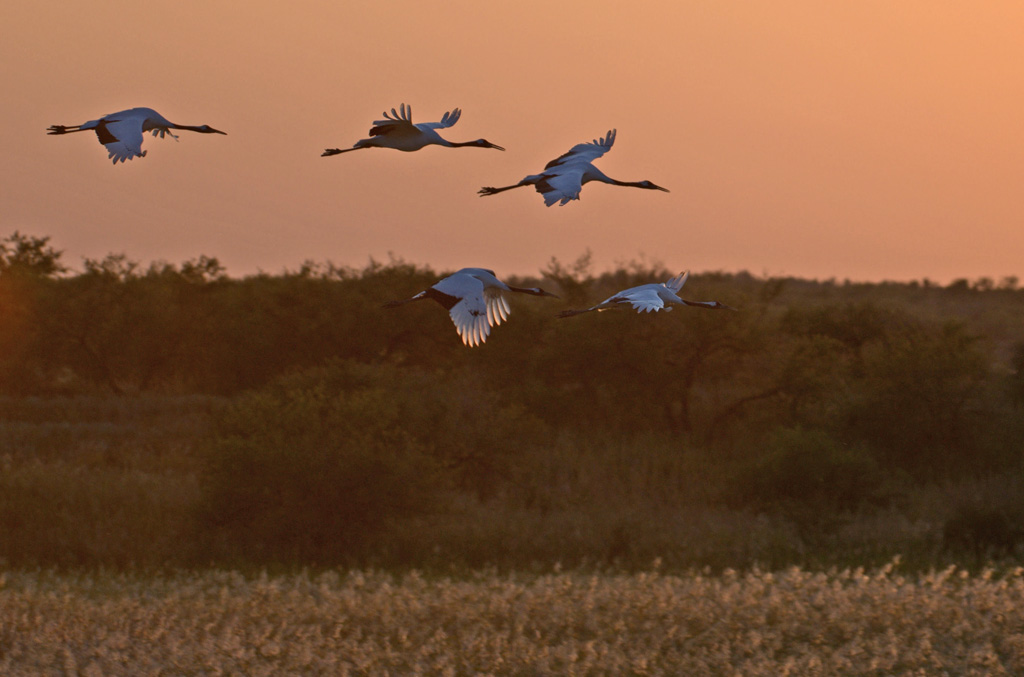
(348, 421)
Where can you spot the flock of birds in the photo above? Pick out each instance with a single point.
(474, 297)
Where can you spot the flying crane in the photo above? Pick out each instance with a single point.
(475, 300)
(122, 132)
(398, 131)
(650, 297)
(563, 178)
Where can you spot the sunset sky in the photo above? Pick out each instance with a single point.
(864, 140)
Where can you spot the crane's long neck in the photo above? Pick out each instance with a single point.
(188, 128)
(479, 143)
(464, 144)
(632, 184)
(536, 291)
(713, 305)
(202, 129)
(592, 173)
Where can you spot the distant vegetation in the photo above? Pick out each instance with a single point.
(168, 415)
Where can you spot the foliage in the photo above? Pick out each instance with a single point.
(28, 256)
(703, 437)
(809, 469)
(303, 471)
(90, 481)
(321, 463)
(114, 481)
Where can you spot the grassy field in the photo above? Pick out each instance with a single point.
(793, 622)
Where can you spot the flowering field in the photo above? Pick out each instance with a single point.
(790, 622)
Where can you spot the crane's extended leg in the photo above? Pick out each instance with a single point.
(488, 190)
(336, 151)
(64, 129)
(571, 313)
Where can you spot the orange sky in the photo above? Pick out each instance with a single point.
(866, 140)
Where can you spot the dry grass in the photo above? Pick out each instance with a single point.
(790, 622)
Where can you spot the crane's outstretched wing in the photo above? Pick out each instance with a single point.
(122, 137)
(470, 318)
(470, 312)
(585, 152)
(448, 120)
(398, 122)
(643, 299)
(561, 187)
(677, 282)
(497, 306)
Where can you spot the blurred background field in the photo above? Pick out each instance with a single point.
(163, 416)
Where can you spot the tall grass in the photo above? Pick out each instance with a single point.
(794, 621)
(99, 480)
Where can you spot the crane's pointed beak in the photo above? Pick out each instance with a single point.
(664, 189)
(494, 145)
(217, 131)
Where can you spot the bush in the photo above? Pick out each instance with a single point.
(306, 469)
(983, 532)
(922, 403)
(807, 469)
(317, 467)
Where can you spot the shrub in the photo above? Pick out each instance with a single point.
(922, 404)
(310, 468)
(983, 532)
(804, 469)
(317, 467)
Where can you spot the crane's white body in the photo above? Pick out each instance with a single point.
(399, 132)
(563, 178)
(475, 300)
(650, 298)
(122, 132)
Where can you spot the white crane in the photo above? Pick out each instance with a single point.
(648, 297)
(563, 178)
(398, 131)
(122, 132)
(475, 299)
